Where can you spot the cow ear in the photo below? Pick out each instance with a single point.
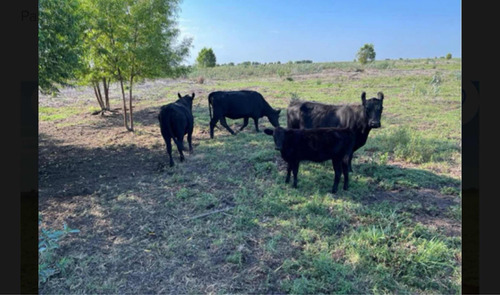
(380, 95)
(193, 95)
(179, 95)
(278, 112)
(268, 131)
(363, 97)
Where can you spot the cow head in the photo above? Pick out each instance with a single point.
(373, 109)
(278, 136)
(274, 117)
(186, 100)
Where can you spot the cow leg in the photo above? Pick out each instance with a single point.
(245, 123)
(288, 171)
(345, 169)
(256, 121)
(337, 167)
(169, 151)
(180, 147)
(189, 139)
(295, 171)
(224, 123)
(350, 161)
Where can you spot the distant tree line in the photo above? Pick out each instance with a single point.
(256, 63)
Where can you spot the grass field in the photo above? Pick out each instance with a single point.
(224, 221)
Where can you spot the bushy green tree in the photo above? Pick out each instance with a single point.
(60, 43)
(206, 58)
(366, 54)
(448, 56)
(130, 39)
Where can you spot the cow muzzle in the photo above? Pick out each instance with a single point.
(374, 124)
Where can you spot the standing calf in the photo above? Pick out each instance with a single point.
(358, 118)
(316, 145)
(176, 120)
(239, 104)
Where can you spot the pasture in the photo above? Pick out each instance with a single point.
(224, 221)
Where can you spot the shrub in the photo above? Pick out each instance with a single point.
(416, 151)
(435, 83)
(206, 58)
(410, 146)
(283, 72)
(366, 54)
(48, 241)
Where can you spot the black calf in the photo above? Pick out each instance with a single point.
(316, 145)
(176, 120)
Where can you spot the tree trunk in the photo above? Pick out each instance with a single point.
(101, 102)
(130, 103)
(106, 93)
(125, 121)
(98, 95)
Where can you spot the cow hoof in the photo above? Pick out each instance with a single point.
(172, 164)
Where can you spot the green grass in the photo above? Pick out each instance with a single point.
(53, 114)
(383, 235)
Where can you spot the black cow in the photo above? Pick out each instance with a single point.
(176, 120)
(359, 118)
(239, 104)
(316, 145)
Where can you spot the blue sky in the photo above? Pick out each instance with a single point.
(321, 31)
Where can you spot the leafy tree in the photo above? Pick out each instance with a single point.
(59, 43)
(130, 39)
(448, 56)
(96, 69)
(206, 58)
(366, 54)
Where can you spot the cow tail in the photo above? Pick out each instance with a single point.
(210, 106)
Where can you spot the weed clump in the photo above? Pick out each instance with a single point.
(410, 146)
(48, 241)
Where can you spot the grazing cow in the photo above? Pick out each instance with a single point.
(239, 104)
(316, 145)
(176, 120)
(359, 118)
